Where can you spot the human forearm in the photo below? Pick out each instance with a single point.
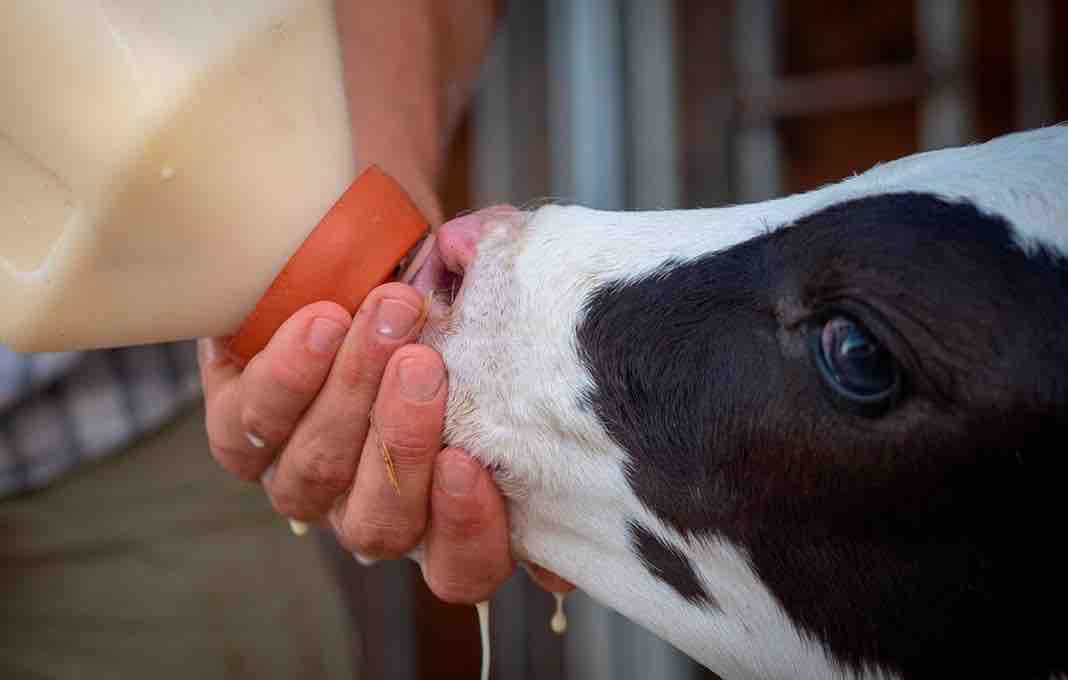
(409, 68)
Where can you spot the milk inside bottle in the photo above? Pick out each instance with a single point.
(160, 162)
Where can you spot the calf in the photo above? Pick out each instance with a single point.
(815, 437)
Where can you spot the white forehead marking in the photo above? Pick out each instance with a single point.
(1021, 177)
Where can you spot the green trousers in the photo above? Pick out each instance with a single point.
(156, 564)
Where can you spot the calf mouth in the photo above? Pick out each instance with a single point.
(427, 272)
(436, 268)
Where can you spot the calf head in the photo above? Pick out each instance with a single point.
(821, 436)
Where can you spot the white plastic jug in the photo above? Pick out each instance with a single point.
(159, 162)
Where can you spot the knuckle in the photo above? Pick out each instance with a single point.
(296, 379)
(272, 429)
(388, 540)
(361, 375)
(327, 473)
(460, 526)
(422, 354)
(407, 442)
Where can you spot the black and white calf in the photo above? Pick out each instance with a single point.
(815, 437)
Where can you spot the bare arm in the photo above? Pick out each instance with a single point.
(410, 67)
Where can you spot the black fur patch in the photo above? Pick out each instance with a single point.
(920, 540)
(667, 563)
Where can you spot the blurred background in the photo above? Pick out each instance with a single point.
(648, 104)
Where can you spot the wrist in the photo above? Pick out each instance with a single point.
(409, 68)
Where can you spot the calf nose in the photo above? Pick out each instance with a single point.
(458, 238)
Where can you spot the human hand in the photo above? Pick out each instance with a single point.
(299, 418)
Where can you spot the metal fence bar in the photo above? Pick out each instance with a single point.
(946, 116)
(653, 102)
(587, 119)
(757, 158)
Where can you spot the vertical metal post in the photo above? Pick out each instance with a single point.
(755, 54)
(587, 119)
(652, 93)
(946, 117)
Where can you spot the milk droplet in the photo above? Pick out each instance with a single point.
(297, 527)
(483, 609)
(558, 623)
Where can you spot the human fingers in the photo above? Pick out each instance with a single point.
(467, 553)
(252, 412)
(384, 514)
(321, 457)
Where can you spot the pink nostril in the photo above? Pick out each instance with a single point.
(458, 238)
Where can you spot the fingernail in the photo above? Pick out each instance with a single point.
(394, 318)
(456, 474)
(324, 336)
(419, 380)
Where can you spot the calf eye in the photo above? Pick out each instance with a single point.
(858, 369)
